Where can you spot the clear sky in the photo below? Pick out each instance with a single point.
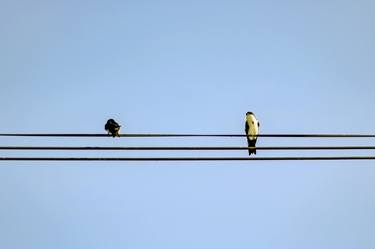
(190, 67)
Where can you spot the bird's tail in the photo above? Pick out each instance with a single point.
(251, 143)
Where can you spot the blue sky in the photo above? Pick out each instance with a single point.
(189, 67)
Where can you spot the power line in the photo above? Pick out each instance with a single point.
(185, 158)
(188, 148)
(184, 135)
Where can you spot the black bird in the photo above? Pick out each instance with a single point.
(112, 127)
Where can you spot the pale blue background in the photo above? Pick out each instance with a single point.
(190, 67)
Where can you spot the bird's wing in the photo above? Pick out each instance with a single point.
(246, 127)
(258, 124)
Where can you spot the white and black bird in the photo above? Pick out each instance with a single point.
(112, 127)
(252, 131)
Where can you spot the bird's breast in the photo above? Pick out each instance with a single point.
(253, 128)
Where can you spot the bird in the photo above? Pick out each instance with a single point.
(112, 127)
(252, 131)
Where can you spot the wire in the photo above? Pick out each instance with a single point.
(185, 158)
(189, 148)
(183, 135)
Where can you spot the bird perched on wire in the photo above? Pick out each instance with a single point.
(112, 127)
(252, 131)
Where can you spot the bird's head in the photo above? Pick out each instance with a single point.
(249, 113)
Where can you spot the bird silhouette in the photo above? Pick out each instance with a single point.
(112, 127)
